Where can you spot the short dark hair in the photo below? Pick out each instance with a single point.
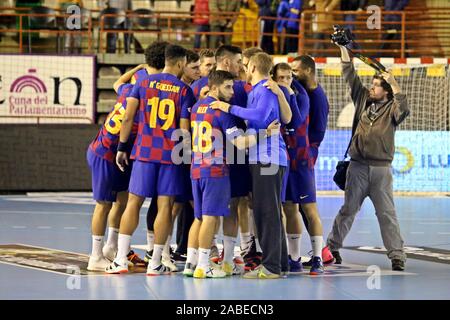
(218, 77)
(174, 53)
(386, 86)
(206, 53)
(227, 50)
(155, 54)
(192, 56)
(307, 62)
(249, 52)
(280, 66)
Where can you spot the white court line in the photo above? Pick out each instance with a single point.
(44, 227)
(19, 227)
(444, 233)
(417, 232)
(70, 228)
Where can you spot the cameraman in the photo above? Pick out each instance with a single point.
(379, 111)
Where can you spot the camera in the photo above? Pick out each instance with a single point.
(341, 36)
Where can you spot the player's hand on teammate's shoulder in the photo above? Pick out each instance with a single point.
(223, 106)
(273, 128)
(204, 92)
(121, 160)
(289, 89)
(273, 86)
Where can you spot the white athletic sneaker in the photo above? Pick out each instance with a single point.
(117, 266)
(212, 271)
(233, 268)
(189, 270)
(109, 252)
(159, 270)
(168, 262)
(97, 263)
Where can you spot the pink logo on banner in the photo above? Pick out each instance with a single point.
(28, 81)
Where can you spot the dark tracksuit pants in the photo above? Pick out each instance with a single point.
(266, 191)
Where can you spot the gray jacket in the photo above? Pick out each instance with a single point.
(373, 141)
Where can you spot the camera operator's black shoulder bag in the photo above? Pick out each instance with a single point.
(341, 168)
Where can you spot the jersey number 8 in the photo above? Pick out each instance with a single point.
(201, 136)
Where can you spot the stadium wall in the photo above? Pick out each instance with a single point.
(45, 157)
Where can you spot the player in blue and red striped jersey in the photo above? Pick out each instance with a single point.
(163, 102)
(182, 211)
(109, 184)
(229, 58)
(304, 69)
(210, 176)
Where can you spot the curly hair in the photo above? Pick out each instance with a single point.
(155, 54)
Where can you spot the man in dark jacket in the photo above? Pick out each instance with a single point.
(379, 111)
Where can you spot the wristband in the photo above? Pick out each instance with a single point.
(123, 147)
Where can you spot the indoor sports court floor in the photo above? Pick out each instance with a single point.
(62, 221)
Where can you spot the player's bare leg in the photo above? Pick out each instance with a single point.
(294, 235)
(166, 259)
(230, 231)
(114, 216)
(214, 254)
(163, 227)
(192, 250)
(128, 224)
(99, 217)
(205, 237)
(316, 235)
(244, 223)
(98, 225)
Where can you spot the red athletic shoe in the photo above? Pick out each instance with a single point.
(135, 259)
(327, 256)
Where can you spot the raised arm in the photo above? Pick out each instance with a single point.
(350, 76)
(260, 113)
(400, 107)
(126, 77)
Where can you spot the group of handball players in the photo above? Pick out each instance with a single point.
(223, 142)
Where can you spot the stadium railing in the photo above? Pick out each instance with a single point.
(418, 33)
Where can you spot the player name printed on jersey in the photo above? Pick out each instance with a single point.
(164, 101)
(164, 87)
